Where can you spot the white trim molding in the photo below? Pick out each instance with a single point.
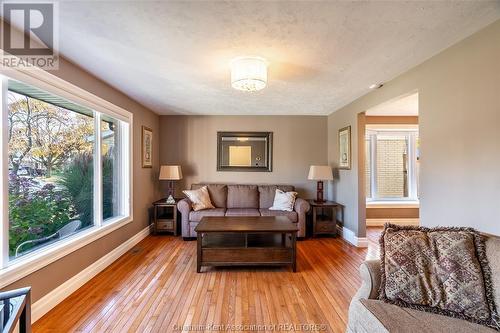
(400, 221)
(393, 204)
(350, 237)
(56, 296)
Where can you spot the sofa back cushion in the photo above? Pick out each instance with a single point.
(218, 193)
(492, 251)
(267, 192)
(242, 196)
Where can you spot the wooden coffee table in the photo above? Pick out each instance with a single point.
(245, 241)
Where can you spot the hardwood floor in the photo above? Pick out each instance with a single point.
(155, 288)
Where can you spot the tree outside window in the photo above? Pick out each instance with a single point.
(51, 166)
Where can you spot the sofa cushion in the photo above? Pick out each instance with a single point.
(196, 216)
(242, 212)
(200, 198)
(242, 196)
(399, 319)
(218, 193)
(441, 270)
(267, 192)
(284, 200)
(291, 215)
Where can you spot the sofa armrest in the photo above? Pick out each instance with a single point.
(301, 207)
(184, 206)
(370, 274)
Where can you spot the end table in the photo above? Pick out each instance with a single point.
(165, 216)
(324, 217)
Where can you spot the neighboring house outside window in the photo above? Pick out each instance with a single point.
(391, 164)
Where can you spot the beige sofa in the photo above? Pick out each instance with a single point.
(241, 200)
(368, 314)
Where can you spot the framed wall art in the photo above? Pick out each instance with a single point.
(244, 151)
(345, 148)
(147, 147)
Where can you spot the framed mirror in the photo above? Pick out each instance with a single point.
(244, 151)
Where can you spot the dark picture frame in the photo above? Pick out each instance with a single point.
(260, 163)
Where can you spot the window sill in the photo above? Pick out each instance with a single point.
(30, 263)
(393, 204)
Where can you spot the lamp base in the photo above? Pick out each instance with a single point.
(319, 192)
(170, 200)
(170, 192)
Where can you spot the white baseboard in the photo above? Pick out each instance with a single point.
(381, 222)
(49, 301)
(351, 237)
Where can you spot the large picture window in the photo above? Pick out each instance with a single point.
(391, 164)
(68, 170)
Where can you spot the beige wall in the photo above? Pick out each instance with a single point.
(298, 142)
(344, 187)
(145, 189)
(459, 119)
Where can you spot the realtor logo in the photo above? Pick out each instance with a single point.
(29, 34)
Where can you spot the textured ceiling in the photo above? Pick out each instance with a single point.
(174, 56)
(402, 106)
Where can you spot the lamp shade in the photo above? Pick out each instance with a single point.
(170, 172)
(320, 172)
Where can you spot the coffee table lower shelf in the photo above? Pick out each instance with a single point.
(246, 249)
(246, 256)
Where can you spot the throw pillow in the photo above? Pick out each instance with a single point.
(439, 270)
(199, 198)
(283, 200)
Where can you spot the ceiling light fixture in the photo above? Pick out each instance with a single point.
(249, 73)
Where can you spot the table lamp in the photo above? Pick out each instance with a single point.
(170, 173)
(320, 173)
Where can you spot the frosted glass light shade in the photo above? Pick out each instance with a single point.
(249, 73)
(170, 172)
(320, 172)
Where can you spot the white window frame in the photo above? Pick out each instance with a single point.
(412, 167)
(13, 270)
